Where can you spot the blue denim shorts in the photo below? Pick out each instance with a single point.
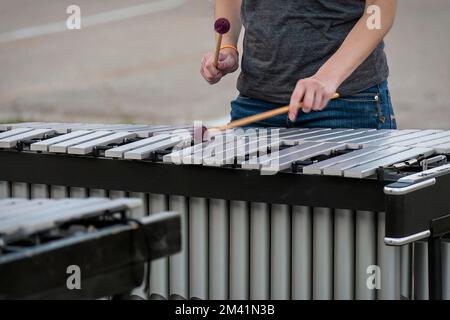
(371, 108)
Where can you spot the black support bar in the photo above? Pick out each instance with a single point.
(192, 181)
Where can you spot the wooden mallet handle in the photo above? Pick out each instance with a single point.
(222, 26)
(260, 116)
(217, 52)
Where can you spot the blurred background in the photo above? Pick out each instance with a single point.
(137, 61)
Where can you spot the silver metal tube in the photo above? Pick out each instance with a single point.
(58, 192)
(388, 258)
(179, 263)
(143, 210)
(198, 248)
(421, 270)
(365, 253)
(137, 213)
(408, 239)
(20, 190)
(239, 251)
(159, 273)
(344, 254)
(39, 191)
(406, 269)
(4, 189)
(218, 249)
(322, 254)
(301, 253)
(280, 258)
(76, 192)
(97, 193)
(411, 188)
(114, 194)
(259, 251)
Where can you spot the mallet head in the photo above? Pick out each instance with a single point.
(222, 25)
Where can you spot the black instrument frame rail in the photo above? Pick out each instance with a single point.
(233, 184)
(191, 180)
(111, 261)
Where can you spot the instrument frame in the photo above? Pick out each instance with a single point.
(35, 272)
(407, 213)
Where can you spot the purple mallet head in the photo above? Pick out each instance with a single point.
(222, 25)
(200, 133)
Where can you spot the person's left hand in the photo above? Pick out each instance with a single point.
(314, 92)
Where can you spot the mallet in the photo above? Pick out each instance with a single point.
(222, 26)
(258, 117)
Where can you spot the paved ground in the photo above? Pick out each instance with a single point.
(145, 68)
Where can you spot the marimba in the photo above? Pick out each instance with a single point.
(43, 242)
(266, 213)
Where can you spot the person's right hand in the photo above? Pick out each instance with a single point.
(228, 63)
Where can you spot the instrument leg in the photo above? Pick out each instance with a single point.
(420, 270)
(446, 268)
(435, 268)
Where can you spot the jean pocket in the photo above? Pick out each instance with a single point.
(368, 103)
(369, 107)
(362, 97)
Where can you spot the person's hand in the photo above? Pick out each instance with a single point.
(314, 93)
(228, 63)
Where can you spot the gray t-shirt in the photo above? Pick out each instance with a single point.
(287, 40)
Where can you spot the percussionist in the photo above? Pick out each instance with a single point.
(304, 51)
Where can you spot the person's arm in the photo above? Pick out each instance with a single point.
(228, 58)
(316, 91)
(230, 9)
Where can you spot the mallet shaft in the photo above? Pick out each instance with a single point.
(218, 45)
(260, 116)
